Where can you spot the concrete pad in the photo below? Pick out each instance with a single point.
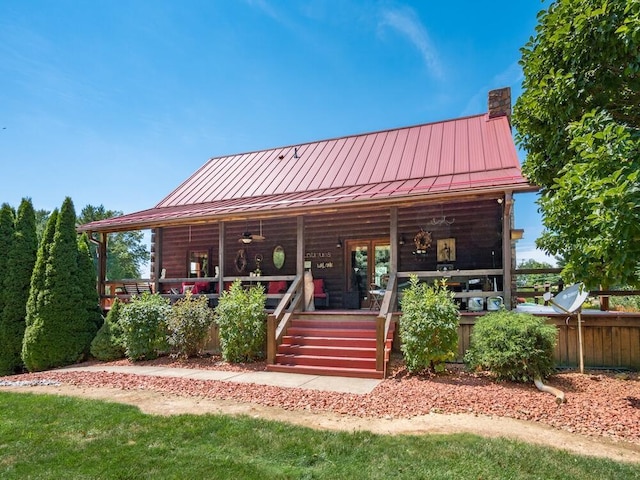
(276, 379)
(360, 386)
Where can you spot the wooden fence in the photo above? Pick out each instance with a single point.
(610, 340)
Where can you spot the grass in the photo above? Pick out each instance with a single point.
(46, 436)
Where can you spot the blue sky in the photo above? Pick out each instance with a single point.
(115, 103)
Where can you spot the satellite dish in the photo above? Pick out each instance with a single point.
(569, 300)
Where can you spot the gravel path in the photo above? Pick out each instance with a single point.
(600, 405)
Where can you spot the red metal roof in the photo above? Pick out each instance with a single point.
(463, 156)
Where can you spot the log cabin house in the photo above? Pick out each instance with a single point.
(360, 213)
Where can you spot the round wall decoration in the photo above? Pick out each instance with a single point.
(422, 241)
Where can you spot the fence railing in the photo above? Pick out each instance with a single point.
(535, 291)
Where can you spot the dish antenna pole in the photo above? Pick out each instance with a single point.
(569, 301)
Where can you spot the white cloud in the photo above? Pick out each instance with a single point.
(405, 21)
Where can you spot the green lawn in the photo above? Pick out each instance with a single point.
(43, 436)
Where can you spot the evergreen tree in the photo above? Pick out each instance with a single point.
(108, 343)
(87, 278)
(60, 331)
(37, 291)
(7, 227)
(21, 259)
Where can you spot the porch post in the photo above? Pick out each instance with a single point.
(300, 250)
(156, 260)
(221, 235)
(507, 245)
(393, 240)
(101, 251)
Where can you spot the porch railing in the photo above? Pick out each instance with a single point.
(383, 323)
(278, 321)
(536, 290)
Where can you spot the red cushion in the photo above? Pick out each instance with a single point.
(318, 286)
(320, 295)
(277, 287)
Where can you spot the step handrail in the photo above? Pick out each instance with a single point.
(383, 323)
(278, 321)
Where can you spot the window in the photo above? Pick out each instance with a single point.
(198, 264)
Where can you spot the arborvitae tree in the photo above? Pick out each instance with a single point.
(108, 343)
(61, 331)
(37, 292)
(87, 278)
(7, 228)
(21, 258)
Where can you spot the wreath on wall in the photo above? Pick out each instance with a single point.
(422, 241)
(241, 260)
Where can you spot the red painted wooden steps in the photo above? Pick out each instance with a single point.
(331, 343)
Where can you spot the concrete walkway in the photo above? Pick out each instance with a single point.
(288, 380)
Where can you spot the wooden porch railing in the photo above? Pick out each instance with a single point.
(383, 323)
(536, 291)
(278, 321)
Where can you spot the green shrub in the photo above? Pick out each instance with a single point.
(143, 322)
(241, 318)
(108, 343)
(188, 325)
(428, 326)
(512, 346)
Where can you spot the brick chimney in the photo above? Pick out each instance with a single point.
(500, 103)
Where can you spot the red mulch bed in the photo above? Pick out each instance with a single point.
(599, 403)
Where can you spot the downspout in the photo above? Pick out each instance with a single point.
(559, 394)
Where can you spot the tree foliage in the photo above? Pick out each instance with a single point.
(20, 260)
(59, 330)
(578, 120)
(532, 279)
(108, 344)
(7, 228)
(125, 252)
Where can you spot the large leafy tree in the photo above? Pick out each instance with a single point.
(125, 251)
(20, 260)
(578, 119)
(61, 331)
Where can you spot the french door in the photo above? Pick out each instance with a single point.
(368, 266)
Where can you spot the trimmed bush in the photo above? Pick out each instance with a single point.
(188, 325)
(428, 326)
(512, 346)
(108, 343)
(144, 326)
(242, 322)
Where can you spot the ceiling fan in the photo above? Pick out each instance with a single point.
(247, 237)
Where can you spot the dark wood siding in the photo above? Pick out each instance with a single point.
(476, 227)
(277, 231)
(177, 242)
(327, 260)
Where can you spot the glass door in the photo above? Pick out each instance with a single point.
(368, 267)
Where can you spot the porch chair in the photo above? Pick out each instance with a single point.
(275, 288)
(320, 294)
